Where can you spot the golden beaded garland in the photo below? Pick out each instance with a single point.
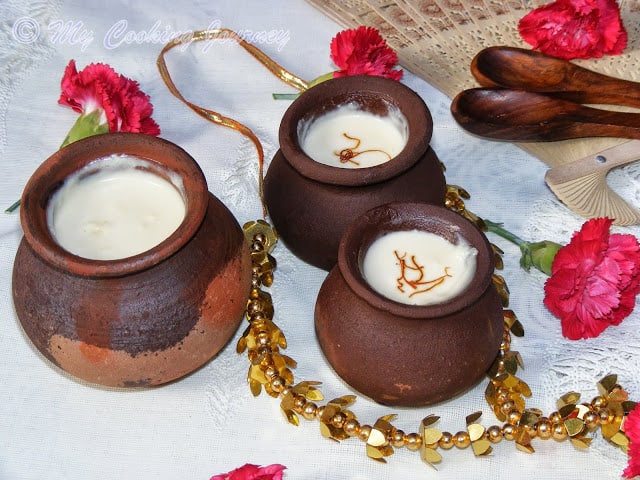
(271, 370)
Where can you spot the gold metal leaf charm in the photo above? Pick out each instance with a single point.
(571, 398)
(480, 443)
(606, 384)
(523, 441)
(513, 323)
(378, 445)
(241, 346)
(497, 257)
(334, 417)
(430, 438)
(620, 440)
(256, 387)
(261, 231)
(581, 442)
(307, 388)
(501, 286)
(574, 426)
(507, 363)
(292, 417)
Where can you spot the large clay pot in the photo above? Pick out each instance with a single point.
(311, 204)
(138, 321)
(401, 354)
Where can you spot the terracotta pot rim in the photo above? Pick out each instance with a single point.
(338, 91)
(163, 156)
(396, 216)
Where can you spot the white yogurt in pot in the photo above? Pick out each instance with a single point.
(115, 209)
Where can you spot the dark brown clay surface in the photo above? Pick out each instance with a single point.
(311, 204)
(140, 321)
(400, 354)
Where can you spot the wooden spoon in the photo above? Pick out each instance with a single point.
(522, 69)
(520, 116)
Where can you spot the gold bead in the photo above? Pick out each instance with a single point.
(254, 293)
(265, 350)
(267, 360)
(503, 396)
(256, 317)
(260, 238)
(604, 414)
(257, 246)
(494, 433)
(397, 438)
(298, 403)
(506, 407)
(365, 431)
(255, 306)
(270, 371)
(559, 431)
(509, 431)
(591, 420)
(412, 441)
(514, 417)
(309, 410)
(278, 383)
(543, 428)
(599, 402)
(461, 440)
(320, 412)
(446, 441)
(555, 417)
(530, 429)
(338, 420)
(351, 427)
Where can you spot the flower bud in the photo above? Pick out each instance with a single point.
(539, 255)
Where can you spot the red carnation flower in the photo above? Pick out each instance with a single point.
(594, 280)
(362, 51)
(571, 29)
(253, 472)
(632, 431)
(106, 100)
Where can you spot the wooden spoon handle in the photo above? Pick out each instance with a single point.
(511, 67)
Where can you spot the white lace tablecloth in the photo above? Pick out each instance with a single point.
(55, 427)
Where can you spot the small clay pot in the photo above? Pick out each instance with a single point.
(143, 320)
(311, 204)
(401, 354)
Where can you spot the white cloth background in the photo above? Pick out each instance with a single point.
(55, 427)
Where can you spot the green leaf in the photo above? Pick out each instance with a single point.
(87, 125)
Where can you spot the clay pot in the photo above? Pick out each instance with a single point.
(401, 354)
(142, 320)
(311, 204)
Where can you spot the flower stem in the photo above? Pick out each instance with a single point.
(499, 230)
(285, 96)
(13, 207)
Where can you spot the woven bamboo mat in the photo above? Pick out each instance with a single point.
(436, 40)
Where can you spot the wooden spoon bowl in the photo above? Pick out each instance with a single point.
(519, 116)
(518, 68)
